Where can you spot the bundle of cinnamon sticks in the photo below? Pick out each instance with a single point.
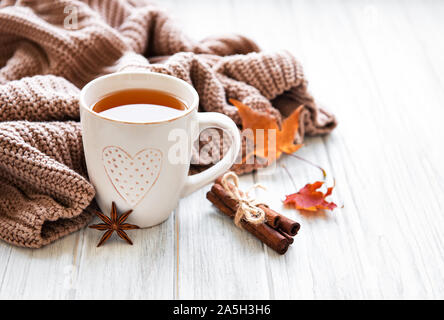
(277, 231)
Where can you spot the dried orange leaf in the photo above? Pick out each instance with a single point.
(308, 198)
(265, 147)
(290, 127)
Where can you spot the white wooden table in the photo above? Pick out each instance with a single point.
(379, 65)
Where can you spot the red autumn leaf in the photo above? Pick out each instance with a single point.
(308, 198)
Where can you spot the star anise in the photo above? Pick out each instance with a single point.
(114, 224)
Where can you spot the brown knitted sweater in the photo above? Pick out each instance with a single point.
(43, 64)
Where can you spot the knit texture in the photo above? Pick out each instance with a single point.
(46, 56)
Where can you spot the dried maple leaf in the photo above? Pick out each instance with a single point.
(114, 224)
(308, 198)
(265, 147)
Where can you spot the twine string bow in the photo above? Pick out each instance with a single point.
(248, 206)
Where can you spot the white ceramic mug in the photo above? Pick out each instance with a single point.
(128, 163)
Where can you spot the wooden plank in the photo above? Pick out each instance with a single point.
(217, 260)
(424, 21)
(45, 273)
(200, 19)
(398, 63)
(5, 254)
(117, 270)
(425, 24)
(269, 24)
(390, 258)
(371, 252)
(301, 273)
(337, 76)
(292, 276)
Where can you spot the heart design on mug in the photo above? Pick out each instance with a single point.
(132, 176)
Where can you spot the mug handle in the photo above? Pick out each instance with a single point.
(214, 120)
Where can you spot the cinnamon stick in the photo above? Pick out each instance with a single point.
(219, 204)
(219, 191)
(289, 226)
(272, 238)
(272, 217)
(286, 235)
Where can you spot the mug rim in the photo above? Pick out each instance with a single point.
(193, 105)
